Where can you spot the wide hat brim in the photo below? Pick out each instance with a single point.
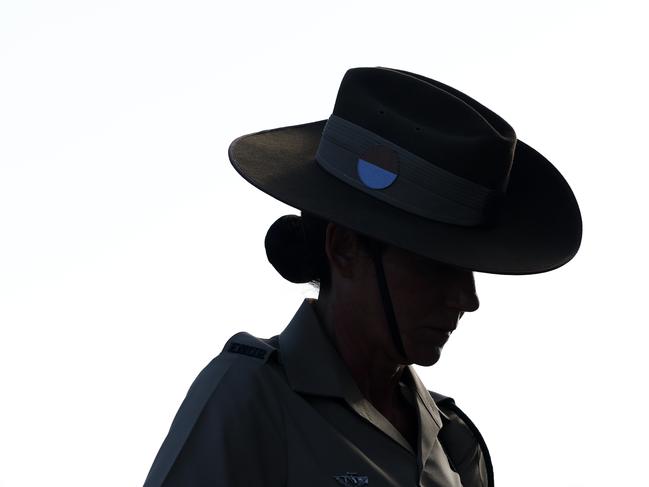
(539, 228)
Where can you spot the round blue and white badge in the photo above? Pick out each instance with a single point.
(378, 167)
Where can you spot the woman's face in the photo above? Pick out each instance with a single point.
(428, 299)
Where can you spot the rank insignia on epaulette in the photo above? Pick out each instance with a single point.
(249, 350)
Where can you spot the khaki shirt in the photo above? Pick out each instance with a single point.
(285, 411)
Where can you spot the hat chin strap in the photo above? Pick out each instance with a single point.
(377, 256)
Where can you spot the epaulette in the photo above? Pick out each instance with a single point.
(244, 343)
(456, 438)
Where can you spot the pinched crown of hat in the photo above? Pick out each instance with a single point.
(415, 163)
(423, 147)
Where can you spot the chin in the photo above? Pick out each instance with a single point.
(430, 357)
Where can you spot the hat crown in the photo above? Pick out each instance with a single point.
(434, 121)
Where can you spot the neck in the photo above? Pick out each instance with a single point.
(358, 342)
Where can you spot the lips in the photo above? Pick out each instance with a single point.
(451, 319)
(438, 335)
(445, 329)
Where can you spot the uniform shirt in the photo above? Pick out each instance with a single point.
(285, 411)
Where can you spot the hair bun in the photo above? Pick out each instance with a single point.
(288, 251)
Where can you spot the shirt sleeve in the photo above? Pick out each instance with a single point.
(229, 431)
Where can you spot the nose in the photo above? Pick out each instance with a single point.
(461, 293)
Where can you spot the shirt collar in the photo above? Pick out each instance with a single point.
(313, 365)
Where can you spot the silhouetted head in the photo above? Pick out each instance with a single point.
(428, 297)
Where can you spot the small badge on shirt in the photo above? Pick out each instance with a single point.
(352, 479)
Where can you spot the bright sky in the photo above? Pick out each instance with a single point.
(131, 250)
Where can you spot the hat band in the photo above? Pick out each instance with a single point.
(385, 170)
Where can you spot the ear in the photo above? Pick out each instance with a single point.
(344, 251)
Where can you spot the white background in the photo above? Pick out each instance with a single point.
(131, 250)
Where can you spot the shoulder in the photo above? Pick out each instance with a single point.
(239, 383)
(240, 373)
(233, 395)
